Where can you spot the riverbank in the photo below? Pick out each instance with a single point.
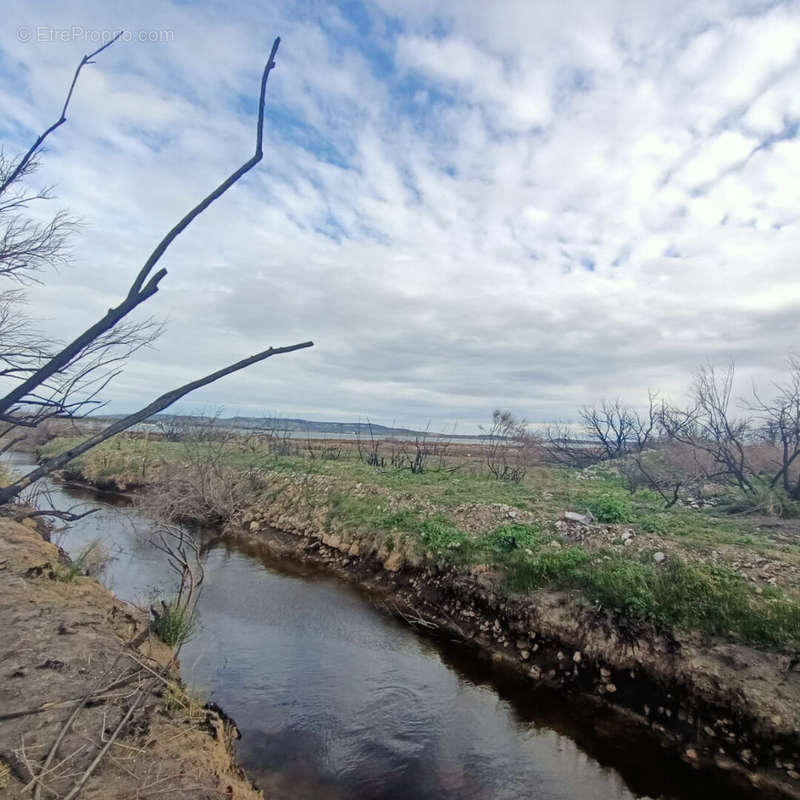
(723, 705)
(562, 600)
(81, 668)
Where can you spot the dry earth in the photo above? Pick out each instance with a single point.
(64, 642)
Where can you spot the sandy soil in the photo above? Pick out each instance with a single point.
(70, 650)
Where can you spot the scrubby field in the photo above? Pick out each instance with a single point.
(686, 567)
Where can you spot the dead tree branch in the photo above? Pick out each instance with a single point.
(159, 404)
(24, 161)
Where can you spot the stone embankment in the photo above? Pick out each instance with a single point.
(724, 705)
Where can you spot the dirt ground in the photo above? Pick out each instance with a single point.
(83, 681)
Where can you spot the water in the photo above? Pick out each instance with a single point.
(335, 699)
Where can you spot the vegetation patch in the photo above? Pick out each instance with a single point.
(717, 578)
(685, 596)
(89, 561)
(611, 508)
(173, 622)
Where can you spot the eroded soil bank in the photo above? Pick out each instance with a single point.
(80, 667)
(723, 705)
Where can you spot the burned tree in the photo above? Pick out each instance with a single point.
(780, 427)
(505, 447)
(611, 431)
(709, 427)
(66, 381)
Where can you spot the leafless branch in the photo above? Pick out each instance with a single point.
(25, 160)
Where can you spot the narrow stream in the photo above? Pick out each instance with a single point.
(335, 699)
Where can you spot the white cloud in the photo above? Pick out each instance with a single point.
(529, 204)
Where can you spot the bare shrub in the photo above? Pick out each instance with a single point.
(505, 446)
(369, 452)
(203, 488)
(671, 469)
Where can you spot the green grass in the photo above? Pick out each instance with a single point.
(175, 622)
(685, 592)
(71, 569)
(714, 600)
(611, 507)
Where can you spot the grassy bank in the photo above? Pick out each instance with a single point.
(684, 568)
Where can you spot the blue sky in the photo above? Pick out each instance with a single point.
(465, 205)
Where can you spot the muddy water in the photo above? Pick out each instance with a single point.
(335, 699)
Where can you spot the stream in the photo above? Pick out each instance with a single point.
(337, 699)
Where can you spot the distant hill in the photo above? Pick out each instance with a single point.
(291, 425)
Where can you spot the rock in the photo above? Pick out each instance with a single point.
(690, 753)
(659, 557)
(255, 526)
(605, 674)
(331, 540)
(723, 762)
(524, 654)
(629, 534)
(795, 776)
(611, 688)
(394, 563)
(573, 516)
(576, 656)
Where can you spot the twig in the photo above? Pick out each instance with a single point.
(60, 121)
(73, 793)
(68, 724)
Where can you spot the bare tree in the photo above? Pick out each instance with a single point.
(63, 381)
(562, 446)
(505, 446)
(611, 431)
(780, 426)
(619, 429)
(709, 426)
(369, 453)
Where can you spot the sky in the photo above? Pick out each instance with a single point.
(464, 204)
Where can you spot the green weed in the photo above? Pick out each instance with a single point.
(174, 622)
(611, 508)
(89, 560)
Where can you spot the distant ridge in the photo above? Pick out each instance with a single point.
(286, 424)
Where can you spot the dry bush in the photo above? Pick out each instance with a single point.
(671, 470)
(203, 488)
(506, 448)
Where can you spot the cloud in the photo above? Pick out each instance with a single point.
(522, 204)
